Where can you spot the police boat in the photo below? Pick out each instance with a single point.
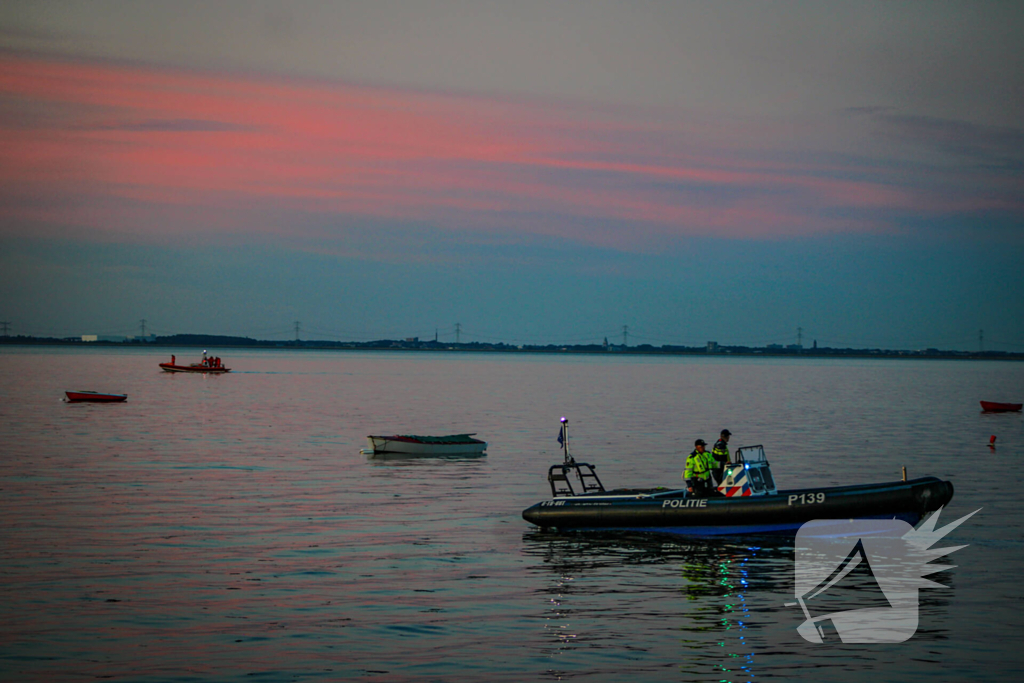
(746, 501)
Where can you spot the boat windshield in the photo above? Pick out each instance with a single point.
(751, 454)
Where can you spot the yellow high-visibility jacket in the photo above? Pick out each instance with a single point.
(699, 465)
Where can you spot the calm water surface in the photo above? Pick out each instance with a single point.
(227, 528)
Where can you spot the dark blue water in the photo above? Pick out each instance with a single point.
(227, 528)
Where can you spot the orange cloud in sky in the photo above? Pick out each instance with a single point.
(81, 142)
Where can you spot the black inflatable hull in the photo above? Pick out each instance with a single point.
(670, 512)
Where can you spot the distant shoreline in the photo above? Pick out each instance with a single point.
(411, 345)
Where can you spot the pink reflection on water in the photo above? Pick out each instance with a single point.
(218, 526)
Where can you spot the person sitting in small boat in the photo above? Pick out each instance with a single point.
(172, 359)
(720, 452)
(698, 471)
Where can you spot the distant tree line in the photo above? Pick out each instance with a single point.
(414, 344)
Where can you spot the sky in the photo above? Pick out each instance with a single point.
(560, 172)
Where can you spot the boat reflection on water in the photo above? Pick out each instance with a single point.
(413, 459)
(687, 600)
(705, 609)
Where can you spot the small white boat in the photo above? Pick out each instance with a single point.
(410, 444)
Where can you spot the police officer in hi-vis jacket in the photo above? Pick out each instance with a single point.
(698, 470)
(720, 452)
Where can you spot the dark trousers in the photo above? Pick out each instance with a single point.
(701, 487)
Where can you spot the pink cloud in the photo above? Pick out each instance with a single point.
(122, 138)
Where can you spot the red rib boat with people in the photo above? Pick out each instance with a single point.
(210, 365)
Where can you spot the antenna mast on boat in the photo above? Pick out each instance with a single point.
(563, 438)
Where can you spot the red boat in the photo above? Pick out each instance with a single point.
(992, 407)
(209, 366)
(94, 397)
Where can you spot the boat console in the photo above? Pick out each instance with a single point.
(749, 475)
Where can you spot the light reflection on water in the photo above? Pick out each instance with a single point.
(216, 527)
(695, 592)
(722, 601)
